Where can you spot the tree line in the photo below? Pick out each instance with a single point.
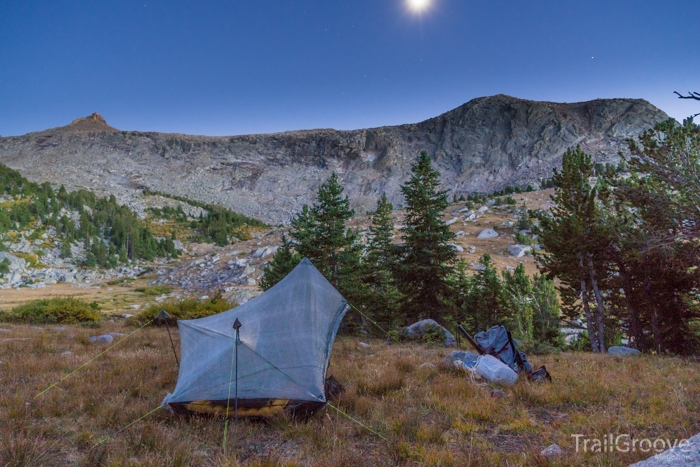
(625, 245)
(394, 283)
(110, 233)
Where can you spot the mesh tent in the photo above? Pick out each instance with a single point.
(285, 345)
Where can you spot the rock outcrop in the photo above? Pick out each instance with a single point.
(483, 145)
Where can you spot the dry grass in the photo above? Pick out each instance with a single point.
(112, 298)
(429, 417)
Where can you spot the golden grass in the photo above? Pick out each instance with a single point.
(112, 298)
(429, 417)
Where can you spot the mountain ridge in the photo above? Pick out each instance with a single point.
(482, 145)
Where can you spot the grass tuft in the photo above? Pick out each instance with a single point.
(53, 310)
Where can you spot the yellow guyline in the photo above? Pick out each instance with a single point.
(94, 358)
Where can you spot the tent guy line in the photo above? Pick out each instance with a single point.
(94, 358)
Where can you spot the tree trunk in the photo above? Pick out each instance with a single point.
(589, 317)
(655, 331)
(600, 310)
(635, 326)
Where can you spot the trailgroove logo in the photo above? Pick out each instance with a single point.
(627, 443)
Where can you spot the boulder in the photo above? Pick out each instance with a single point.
(469, 215)
(452, 221)
(518, 250)
(487, 233)
(16, 264)
(685, 454)
(552, 451)
(622, 351)
(482, 209)
(490, 202)
(103, 339)
(417, 330)
(455, 247)
(447, 363)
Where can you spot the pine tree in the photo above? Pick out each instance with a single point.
(574, 237)
(546, 309)
(380, 262)
(282, 263)
(487, 303)
(320, 232)
(426, 261)
(518, 291)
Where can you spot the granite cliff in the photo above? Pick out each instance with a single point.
(483, 145)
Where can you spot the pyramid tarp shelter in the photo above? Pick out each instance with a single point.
(285, 344)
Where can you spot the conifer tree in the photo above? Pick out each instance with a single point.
(282, 263)
(380, 262)
(426, 260)
(574, 237)
(320, 232)
(487, 304)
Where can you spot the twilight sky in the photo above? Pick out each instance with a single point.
(256, 66)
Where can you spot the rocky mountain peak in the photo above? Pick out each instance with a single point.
(94, 122)
(484, 145)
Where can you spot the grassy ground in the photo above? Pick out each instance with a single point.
(429, 417)
(112, 297)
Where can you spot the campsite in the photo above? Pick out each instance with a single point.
(395, 233)
(428, 416)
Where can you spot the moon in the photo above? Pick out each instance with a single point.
(418, 5)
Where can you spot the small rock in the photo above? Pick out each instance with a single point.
(204, 297)
(621, 351)
(499, 394)
(126, 316)
(110, 321)
(519, 250)
(67, 353)
(363, 345)
(58, 328)
(460, 234)
(363, 332)
(469, 216)
(551, 451)
(451, 221)
(487, 233)
(483, 209)
(103, 339)
(455, 247)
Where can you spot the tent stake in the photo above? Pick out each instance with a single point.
(163, 315)
(237, 326)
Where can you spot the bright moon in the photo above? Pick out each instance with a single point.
(418, 5)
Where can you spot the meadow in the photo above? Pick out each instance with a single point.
(417, 415)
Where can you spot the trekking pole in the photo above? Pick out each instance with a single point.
(163, 315)
(237, 326)
(471, 341)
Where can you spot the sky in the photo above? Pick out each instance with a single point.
(258, 66)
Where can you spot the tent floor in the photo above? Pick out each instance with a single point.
(249, 408)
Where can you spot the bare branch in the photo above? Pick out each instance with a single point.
(691, 95)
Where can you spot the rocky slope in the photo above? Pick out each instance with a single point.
(483, 145)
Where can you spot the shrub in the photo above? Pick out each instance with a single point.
(53, 310)
(154, 290)
(184, 309)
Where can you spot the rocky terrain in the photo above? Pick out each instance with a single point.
(483, 145)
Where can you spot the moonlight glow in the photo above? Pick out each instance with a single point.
(418, 5)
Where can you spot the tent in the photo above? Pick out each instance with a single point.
(286, 336)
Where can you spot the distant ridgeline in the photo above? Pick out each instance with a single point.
(111, 233)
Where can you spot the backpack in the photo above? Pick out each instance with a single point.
(498, 342)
